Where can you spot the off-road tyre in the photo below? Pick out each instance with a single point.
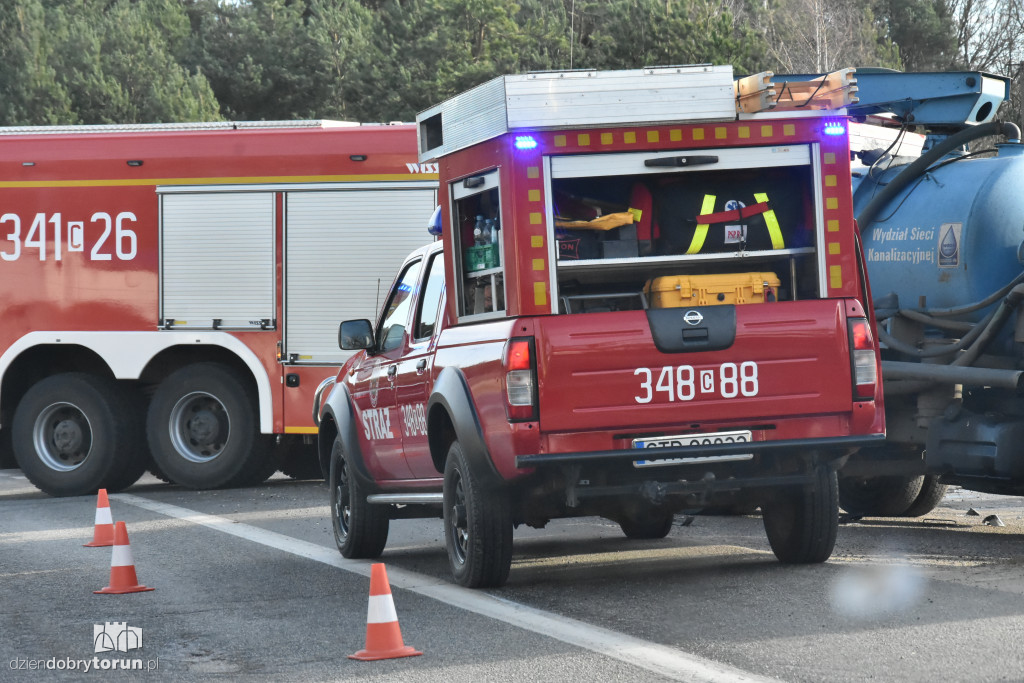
(477, 525)
(203, 429)
(802, 522)
(360, 529)
(75, 433)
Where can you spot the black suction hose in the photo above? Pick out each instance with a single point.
(1009, 130)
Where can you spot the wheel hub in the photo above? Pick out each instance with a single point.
(200, 427)
(62, 436)
(67, 437)
(203, 428)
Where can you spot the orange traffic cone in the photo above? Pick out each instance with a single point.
(383, 637)
(122, 568)
(103, 533)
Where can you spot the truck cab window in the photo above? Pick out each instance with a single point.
(392, 327)
(431, 299)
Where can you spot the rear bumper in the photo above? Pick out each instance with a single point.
(840, 444)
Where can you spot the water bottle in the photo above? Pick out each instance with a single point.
(494, 231)
(478, 231)
(488, 223)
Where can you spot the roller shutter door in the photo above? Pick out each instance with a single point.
(217, 260)
(342, 250)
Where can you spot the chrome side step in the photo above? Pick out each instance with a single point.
(406, 498)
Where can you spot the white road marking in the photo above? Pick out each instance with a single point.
(660, 659)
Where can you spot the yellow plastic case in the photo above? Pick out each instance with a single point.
(675, 291)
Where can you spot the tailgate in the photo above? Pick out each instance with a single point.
(751, 363)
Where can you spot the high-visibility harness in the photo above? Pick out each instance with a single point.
(706, 218)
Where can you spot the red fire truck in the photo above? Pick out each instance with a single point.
(649, 297)
(162, 290)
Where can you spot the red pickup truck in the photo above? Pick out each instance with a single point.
(569, 349)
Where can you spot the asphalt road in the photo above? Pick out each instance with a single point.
(249, 586)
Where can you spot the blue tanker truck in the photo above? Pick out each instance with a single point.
(939, 201)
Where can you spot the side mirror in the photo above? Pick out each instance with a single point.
(355, 334)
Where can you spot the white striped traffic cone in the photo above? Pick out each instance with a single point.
(383, 636)
(122, 567)
(103, 531)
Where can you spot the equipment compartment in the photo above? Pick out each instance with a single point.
(726, 221)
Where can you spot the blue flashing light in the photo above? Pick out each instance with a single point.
(525, 142)
(834, 128)
(434, 224)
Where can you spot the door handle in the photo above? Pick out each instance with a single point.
(392, 369)
(421, 366)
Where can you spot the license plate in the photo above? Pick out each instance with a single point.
(711, 438)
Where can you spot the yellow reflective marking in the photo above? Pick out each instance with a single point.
(534, 195)
(701, 232)
(675, 135)
(301, 430)
(537, 241)
(652, 136)
(559, 141)
(698, 133)
(629, 137)
(607, 138)
(744, 131)
(532, 172)
(788, 129)
(540, 293)
(535, 218)
(766, 131)
(833, 225)
(231, 180)
(721, 133)
(832, 203)
(771, 222)
(583, 139)
(830, 157)
(835, 276)
(833, 248)
(538, 264)
(830, 181)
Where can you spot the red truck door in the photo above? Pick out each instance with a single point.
(414, 372)
(375, 379)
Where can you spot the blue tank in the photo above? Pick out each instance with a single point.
(952, 236)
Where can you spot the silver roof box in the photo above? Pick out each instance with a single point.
(576, 99)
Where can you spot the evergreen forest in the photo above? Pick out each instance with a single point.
(149, 61)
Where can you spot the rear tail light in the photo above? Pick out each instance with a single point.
(862, 351)
(520, 379)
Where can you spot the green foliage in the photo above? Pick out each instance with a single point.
(923, 30)
(123, 61)
(74, 61)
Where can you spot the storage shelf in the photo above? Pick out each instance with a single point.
(628, 263)
(485, 272)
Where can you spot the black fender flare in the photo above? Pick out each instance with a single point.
(452, 396)
(339, 412)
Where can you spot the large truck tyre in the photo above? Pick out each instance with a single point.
(477, 526)
(879, 496)
(298, 460)
(360, 529)
(647, 522)
(203, 430)
(76, 433)
(802, 523)
(932, 492)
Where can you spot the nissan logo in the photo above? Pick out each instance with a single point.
(693, 317)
